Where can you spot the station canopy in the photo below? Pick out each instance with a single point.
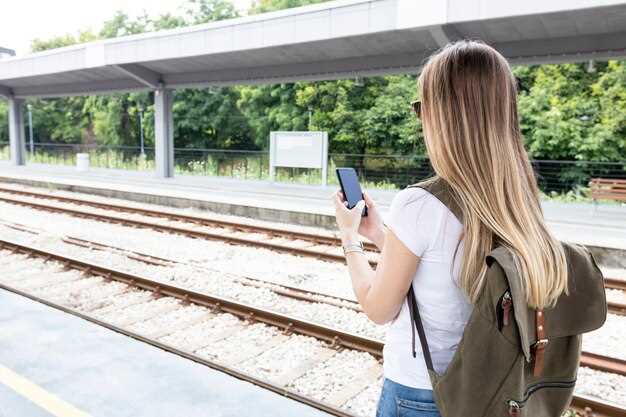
(332, 40)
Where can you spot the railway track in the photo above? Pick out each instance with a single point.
(333, 341)
(272, 233)
(281, 328)
(280, 289)
(281, 240)
(316, 245)
(615, 283)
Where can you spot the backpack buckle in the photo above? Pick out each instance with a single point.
(540, 344)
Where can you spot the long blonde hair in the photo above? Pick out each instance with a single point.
(473, 139)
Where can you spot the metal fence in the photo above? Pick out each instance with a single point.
(118, 157)
(222, 162)
(384, 171)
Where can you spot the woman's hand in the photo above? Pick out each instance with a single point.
(348, 220)
(372, 226)
(351, 223)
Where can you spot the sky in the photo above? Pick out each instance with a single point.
(25, 20)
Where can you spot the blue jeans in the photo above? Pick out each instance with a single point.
(397, 400)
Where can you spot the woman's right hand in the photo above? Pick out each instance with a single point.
(371, 225)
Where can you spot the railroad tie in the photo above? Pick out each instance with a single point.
(217, 337)
(110, 304)
(252, 351)
(361, 382)
(46, 282)
(295, 373)
(148, 316)
(182, 325)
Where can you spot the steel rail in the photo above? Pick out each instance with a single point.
(615, 283)
(617, 308)
(181, 230)
(332, 336)
(280, 289)
(588, 359)
(321, 405)
(599, 408)
(272, 231)
(603, 363)
(614, 307)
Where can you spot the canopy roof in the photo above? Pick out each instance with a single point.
(332, 40)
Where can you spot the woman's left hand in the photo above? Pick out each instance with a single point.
(348, 220)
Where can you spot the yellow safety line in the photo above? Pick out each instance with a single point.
(44, 399)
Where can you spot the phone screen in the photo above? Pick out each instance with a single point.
(350, 186)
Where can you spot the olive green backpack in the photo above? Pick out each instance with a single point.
(513, 360)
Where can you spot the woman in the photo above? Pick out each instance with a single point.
(469, 115)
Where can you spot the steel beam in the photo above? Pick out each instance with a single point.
(5, 91)
(7, 51)
(17, 146)
(444, 34)
(142, 74)
(163, 133)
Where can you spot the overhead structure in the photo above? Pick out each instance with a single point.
(6, 51)
(331, 40)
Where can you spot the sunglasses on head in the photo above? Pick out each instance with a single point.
(416, 106)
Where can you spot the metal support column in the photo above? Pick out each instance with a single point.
(17, 145)
(163, 133)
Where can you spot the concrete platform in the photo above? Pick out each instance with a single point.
(54, 360)
(602, 227)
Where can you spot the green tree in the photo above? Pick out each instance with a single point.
(264, 6)
(570, 113)
(567, 112)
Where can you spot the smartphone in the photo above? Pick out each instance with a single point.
(350, 186)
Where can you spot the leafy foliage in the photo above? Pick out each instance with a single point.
(567, 112)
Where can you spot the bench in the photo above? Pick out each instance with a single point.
(608, 189)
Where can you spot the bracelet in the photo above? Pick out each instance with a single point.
(353, 247)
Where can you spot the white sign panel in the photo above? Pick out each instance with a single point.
(299, 150)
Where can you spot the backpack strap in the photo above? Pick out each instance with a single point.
(442, 191)
(542, 341)
(416, 319)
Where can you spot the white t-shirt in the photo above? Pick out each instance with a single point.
(429, 230)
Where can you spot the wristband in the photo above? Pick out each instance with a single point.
(353, 247)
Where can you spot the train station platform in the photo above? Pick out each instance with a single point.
(57, 364)
(603, 226)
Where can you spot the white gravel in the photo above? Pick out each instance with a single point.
(342, 370)
(110, 305)
(204, 333)
(185, 211)
(277, 354)
(616, 296)
(310, 274)
(613, 273)
(170, 320)
(255, 348)
(275, 364)
(53, 280)
(249, 342)
(609, 339)
(125, 317)
(215, 283)
(365, 403)
(611, 387)
(59, 292)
